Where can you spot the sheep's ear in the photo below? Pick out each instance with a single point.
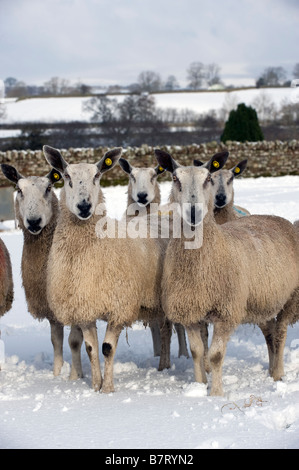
(166, 161)
(54, 158)
(11, 173)
(54, 176)
(159, 169)
(125, 165)
(239, 168)
(109, 160)
(197, 163)
(216, 162)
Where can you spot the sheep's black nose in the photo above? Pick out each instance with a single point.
(84, 208)
(220, 200)
(34, 225)
(142, 198)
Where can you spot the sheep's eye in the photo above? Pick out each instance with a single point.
(174, 178)
(208, 180)
(68, 178)
(96, 177)
(19, 191)
(133, 177)
(48, 188)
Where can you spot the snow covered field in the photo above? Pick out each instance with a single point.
(71, 109)
(150, 409)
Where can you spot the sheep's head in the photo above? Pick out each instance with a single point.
(192, 186)
(81, 180)
(34, 197)
(223, 179)
(143, 182)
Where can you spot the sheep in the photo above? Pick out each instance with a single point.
(245, 271)
(92, 277)
(143, 189)
(36, 209)
(224, 208)
(6, 280)
(224, 211)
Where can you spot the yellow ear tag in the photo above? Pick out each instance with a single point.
(56, 176)
(216, 164)
(161, 168)
(237, 169)
(108, 161)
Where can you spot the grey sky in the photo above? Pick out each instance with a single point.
(112, 41)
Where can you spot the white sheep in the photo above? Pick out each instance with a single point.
(36, 208)
(144, 189)
(224, 211)
(245, 271)
(224, 208)
(93, 277)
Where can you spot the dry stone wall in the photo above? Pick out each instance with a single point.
(264, 158)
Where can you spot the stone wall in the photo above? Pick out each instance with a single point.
(264, 158)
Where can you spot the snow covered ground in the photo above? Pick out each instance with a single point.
(71, 109)
(150, 409)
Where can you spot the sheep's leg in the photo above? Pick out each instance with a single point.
(268, 330)
(109, 349)
(221, 334)
(204, 332)
(165, 329)
(280, 340)
(183, 350)
(155, 330)
(57, 342)
(75, 343)
(92, 348)
(197, 351)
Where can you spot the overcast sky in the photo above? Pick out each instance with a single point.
(112, 41)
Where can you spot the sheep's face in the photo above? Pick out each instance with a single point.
(224, 191)
(193, 186)
(34, 199)
(82, 180)
(143, 183)
(82, 189)
(192, 189)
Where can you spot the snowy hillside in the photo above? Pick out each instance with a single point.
(150, 409)
(71, 109)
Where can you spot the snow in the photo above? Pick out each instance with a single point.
(71, 109)
(149, 409)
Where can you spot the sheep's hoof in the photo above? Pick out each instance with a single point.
(107, 389)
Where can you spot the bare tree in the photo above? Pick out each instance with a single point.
(57, 86)
(195, 75)
(212, 74)
(171, 83)
(272, 76)
(149, 81)
(265, 107)
(296, 71)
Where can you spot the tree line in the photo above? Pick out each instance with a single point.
(133, 120)
(198, 76)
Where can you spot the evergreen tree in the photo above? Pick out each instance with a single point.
(242, 125)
